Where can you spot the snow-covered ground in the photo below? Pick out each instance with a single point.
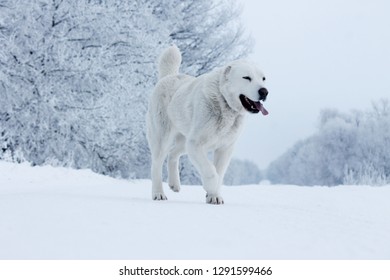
(59, 213)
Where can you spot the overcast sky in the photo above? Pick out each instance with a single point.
(316, 55)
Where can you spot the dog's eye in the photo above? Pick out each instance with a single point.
(263, 78)
(247, 78)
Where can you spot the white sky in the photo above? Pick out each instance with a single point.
(316, 55)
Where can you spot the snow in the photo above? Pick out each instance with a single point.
(59, 213)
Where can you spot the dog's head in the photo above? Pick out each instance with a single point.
(243, 87)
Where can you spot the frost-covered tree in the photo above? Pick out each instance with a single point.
(76, 75)
(347, 149)
(208, 33)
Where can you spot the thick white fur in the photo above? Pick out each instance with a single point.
(197, 115)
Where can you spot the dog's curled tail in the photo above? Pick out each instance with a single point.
(169, 62)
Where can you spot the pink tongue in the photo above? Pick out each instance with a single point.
(261, 108)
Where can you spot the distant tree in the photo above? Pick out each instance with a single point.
(371, 164)
(347, 149)
(239, 172)
(188, 173)
(242, 172)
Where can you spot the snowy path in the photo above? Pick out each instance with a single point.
(57, 213)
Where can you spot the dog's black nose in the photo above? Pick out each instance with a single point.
(263, 92)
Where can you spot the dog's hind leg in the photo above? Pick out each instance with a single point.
(157, 188)
(173, 162)
(159, 149)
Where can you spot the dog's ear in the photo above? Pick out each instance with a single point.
(226, 72)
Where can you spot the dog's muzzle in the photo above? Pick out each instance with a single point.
(253, 106)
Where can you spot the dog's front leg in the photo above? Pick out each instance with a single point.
(222, 158)
(210, 178)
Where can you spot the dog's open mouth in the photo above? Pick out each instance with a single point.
(252, 106)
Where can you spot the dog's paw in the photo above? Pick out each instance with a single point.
(159, 196)
(214, 199)
(175, 188)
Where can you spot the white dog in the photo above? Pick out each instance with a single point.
(197, 115)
